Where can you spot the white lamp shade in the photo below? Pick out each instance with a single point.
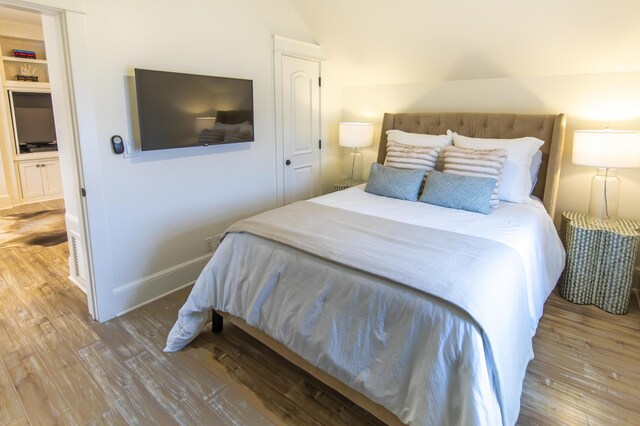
(606, 148)
(203, 123)
(356, 135)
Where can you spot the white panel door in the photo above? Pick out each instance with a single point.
(30, 179)
(301, 128)
(51, 179)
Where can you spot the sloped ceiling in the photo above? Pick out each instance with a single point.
(373, 42)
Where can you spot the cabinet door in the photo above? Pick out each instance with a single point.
(51, 180)
(31, 179)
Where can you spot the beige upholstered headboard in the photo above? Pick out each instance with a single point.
(550, 128)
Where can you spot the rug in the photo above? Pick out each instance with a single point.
(44, 228)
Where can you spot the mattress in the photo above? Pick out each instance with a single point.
(422, 358)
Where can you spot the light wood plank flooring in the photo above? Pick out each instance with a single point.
(57, 366)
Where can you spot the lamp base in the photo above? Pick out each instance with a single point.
(355, 174)
(605, 194)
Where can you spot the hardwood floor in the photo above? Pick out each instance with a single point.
(57, 366)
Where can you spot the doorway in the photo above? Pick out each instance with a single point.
(301, 125)
(41, 169)
(298, 107)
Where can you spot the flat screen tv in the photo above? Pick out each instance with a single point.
(185, 110)
(33, 123)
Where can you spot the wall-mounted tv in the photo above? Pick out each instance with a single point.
(183, 110)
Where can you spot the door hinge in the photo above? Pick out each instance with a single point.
(83, 192)
(320, 81)
(319, 143)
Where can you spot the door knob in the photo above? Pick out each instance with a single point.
(288, 162)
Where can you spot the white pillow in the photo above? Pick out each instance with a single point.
(420, 139)
(536, 162)
(245, 127)
(515, 185)
(229, 127)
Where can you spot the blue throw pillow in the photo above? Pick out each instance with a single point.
(395, 183)
(459, 192)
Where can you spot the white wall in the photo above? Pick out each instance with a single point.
(378, 44)
(160, 206)
(591, 101)
(409, 41)
(331, 100)
(20, 29)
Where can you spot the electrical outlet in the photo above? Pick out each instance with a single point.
(208, 242)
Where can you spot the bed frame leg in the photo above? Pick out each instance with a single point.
(217, 323)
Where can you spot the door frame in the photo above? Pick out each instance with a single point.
(64, 22)
(284, 46)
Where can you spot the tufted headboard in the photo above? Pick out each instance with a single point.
(550, 128)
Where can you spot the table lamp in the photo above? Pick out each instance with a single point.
(355, 135)
(203, 123)
(607, 150)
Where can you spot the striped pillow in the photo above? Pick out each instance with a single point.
(480, 163)
(404, 156)
(237, 137)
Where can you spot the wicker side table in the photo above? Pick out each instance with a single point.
(345, 183)
(601, 260)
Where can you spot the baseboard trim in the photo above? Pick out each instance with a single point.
(5, 202)
(71, 219)
(160, 296)
(138, 293)
(150, 278)
(77, 283)
(42, 199)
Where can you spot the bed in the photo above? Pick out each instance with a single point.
(418, 313)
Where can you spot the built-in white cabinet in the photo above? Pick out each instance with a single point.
(40, 179)
(51, 179)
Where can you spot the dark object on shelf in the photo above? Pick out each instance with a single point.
(31, 147)
(18, 53)
(33, 78)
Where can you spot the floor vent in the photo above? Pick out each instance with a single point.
(74, 261)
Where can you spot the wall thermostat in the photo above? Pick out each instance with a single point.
(117, 144)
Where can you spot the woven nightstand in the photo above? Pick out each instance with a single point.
(345, 183)
(601, 260)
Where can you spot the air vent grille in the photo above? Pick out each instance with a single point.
(74, 263)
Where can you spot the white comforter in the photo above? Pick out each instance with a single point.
(433, 367)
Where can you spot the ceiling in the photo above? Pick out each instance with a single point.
(14, 15)
(372, 42)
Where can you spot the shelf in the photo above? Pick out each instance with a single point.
(14, 84)
(31, 61)
(42, 155)
(12, 38)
